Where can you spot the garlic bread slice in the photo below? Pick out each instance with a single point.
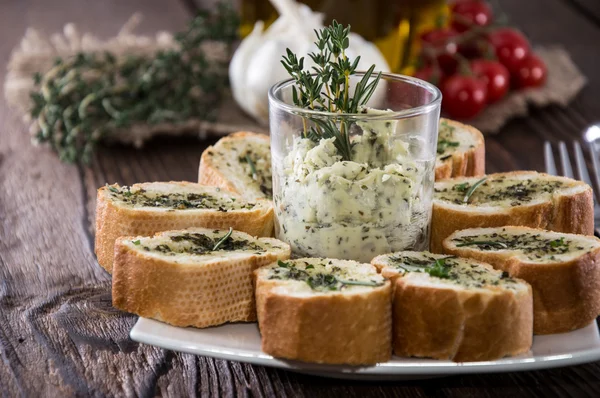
(445, 307)
(240, 163)
(563, 270)
(460, 151)
(525, 198)
(147, 208)
(325, 311)
(195, 277)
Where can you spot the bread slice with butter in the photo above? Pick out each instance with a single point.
(525, 198)
(563, 270)
(460, 151)
(144, 209)
(196, 277)
(446, 307)
(325, 311)
(240, 163)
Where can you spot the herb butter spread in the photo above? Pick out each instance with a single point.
(452, 139)
(543, 247)
(354, 209)
(449, 270)
(502, 190)
(324, 275)
(209, 243)
(174, 196)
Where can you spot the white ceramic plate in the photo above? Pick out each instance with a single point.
(241, 342)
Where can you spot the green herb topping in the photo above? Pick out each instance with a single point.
(497, 189)
(198, 244)
(176, 200)
(490, 243)
(318, 276)
(220, 242)
(534, 246)
(443, 145)
(451, 269)
(472, 189)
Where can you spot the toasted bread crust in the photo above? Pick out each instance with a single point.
(330, 329)
(113, 221)
(566, 295)
(470, 163)
(209, 174)
(197, 295)
(460, 325)
(569, 213)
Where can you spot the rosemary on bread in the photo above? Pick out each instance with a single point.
(525, 198)
(147, 208)
(447, 307)
(196, 277)
(336, 311)
(562, 269)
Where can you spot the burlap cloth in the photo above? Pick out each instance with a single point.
(36, 51)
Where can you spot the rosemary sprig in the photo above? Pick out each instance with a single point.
(252, 167)
(327, 87)
(483, 243)
(472, 189)
(439, 269)
(89, 96)
(223, 239)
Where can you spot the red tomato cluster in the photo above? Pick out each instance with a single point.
(475, 63)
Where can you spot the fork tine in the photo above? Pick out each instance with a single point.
(596, 168)
(582, 172)
(565, 161)
(549, 159)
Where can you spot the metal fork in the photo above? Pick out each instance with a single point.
(582, 172)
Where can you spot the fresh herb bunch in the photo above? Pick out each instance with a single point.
(327, 86)
(84, 98)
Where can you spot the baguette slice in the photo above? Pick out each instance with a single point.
(176, 277)
(226, 165)
(324, 311)
(460, 151)
(446, 307)
(525, 198)
(563, 270)
(144, 209)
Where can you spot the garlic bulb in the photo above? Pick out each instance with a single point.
(256, 66)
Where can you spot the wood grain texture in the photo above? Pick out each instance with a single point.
(60, 336)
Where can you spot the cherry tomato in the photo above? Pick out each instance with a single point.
(495, 75)
(511, 47)
(442, 41)
(530, 72)
(463, 96)
(466, 14)
(429, 74)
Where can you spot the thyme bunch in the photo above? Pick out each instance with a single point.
(326, 86)
(84, 98)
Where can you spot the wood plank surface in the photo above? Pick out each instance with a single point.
(60, 336)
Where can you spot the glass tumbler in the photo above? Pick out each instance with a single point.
(363, 185)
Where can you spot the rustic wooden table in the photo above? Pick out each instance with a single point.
(60, 336)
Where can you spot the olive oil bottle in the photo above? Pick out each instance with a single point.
(393, 25)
